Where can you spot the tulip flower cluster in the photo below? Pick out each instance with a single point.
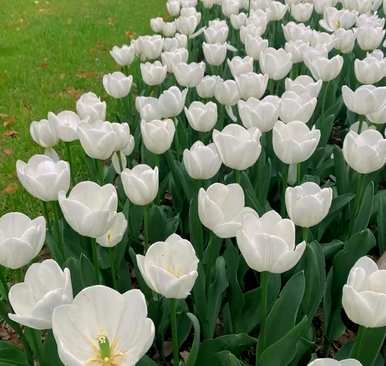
(231, 206)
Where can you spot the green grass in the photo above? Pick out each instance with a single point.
(50, 52)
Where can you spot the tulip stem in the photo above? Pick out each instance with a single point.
(368, 344)
(325, 97)
(146, 227)
(95, 259)
(4, 285)
(264, 279)
(46, 214)
(173, 322)
(237, 176)
(113, 269)
(299, 173)
(57, 228)
(69, 158)
(306, 232)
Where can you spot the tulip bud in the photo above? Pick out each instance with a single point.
(169, 29)
(221, 207)
(207, 85)
(230, 7)
(172, 101)
(140, 184)
(252, 85)
(276, 63)
(267, 243)
(187, 24)
(240, 65)
(308, 204)
(216, 32)
(123, 56)
(148, 108)
(294, 107)
(171, 58)
(44, 133)
(123, 138)
(364, 294)
(365, 152)
(254, 46)
(90, 208)
(90, 106)
(294, 142)
(117, 84)
(202, 162)
(153, 73)
(364, 100)
(369, 70)
(149, 47)
(43, 178)
(214, 53)
(262, 114)
(21, 239)
(302, 12)
(66, 125)
(48, 287)
(238, 20)
(369, 37)
(115, 233)
(98, 139)
(239, 148)
(158, 135)
(227, 92)
(156, 24)
(202, 117)
(304, 85)
(323, 68)
(189, 75)
(165, 272)
(173, 7)
(344, 40)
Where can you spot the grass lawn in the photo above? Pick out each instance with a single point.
(50, 53)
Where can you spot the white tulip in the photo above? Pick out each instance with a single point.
(240, 65)
(221, 207)
(90, 208)
(252, 30)
(295, 31)
(276, 63)
(66, 125)
(321, 5)
(44, 178)
(173, 7)
(296, 107)
(364, 100)
(21, 239)
(140, 184)
(214, 53)
(123, 56)
(115, 233)
(148, 108)
(172, 101)
(334, 19)
(276, 10)
(304, 85)
(294, 142)
(239, 148)
(206, 87)
(238, 20)
(364, 294)
(251, 85)
(297, 49)
(171, 58)
(216, 32)
(227, 92)
(323, 68)
(202, 117)
(370, 70)
(103, 327)
(378, 117)
(202, 162)
(156, 24)
(89, 106)
(302, 12)
(123, 139)
(369, 37)
(149, 47)
(153, 73)
(254, 46)
(187, 24)
(44, 133)
(262, 114)
(46, 286)
(117, 84)
(170, 268)
(365, 152)
(344, 40)
(158, 135)
(230, 7)
(267, 243)
(308, 204)
(169, 29)
(361, 6)
(332, 362)
(189, 75)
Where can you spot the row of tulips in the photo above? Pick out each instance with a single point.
(234, 214)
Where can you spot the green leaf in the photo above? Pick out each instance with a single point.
(146, 361)
(250, 196)
(361, 221)
(193, 354)
(10, 355)
(161, 223)
(73, 265)
(341, 171)
(282, 317)
(87, 272)
(380, 200)
(50, 352)
(226, 358)
(195, 227)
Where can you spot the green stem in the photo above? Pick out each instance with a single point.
(57, 229)
(95, 258)
(325, 97)
(112, 254)
(69, 158)
(264, 277)
(284, 187)
(4, 285)
(237, 176)
(146, 227)
(299, 173)
(173, 322)
(306, 232)
(46, 214)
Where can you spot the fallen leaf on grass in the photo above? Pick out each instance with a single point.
(7, 152)
(86, 74)
(7, 120)
(10, 188)
(10, 133)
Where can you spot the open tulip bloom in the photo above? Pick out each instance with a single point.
(230, 177)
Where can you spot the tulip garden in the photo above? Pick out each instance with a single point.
(234, 210)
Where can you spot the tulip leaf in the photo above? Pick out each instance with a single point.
(362, 219)
(325, 123)
(161, 223)
(146, 361)
(195, 228)
(381, 220)
(73, 265)
(134, 218)
(193, 354)
(87, 272)
(234, 343)
(50, 353)
(315, 275)
(10, 355)
(283, 351)
(341, 171)
(226, 358)
(331, 248)
(282, 317)
(250, 195)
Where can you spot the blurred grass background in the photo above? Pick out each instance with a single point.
(51, 51)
